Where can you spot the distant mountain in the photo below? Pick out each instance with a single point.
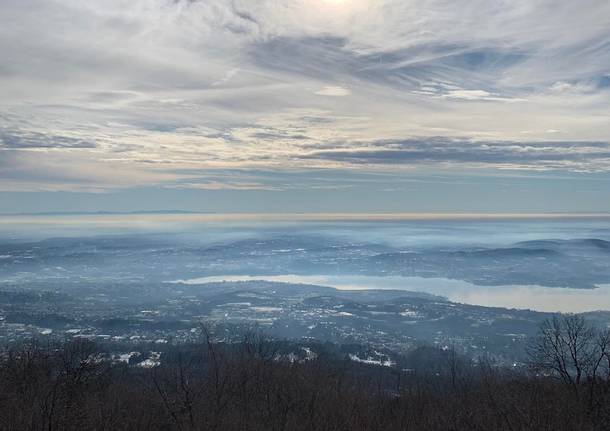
(61, 213)
(558, 244)
(575, 263)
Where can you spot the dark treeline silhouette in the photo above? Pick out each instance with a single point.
(250, 385)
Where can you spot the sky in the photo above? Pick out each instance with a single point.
(305, 105)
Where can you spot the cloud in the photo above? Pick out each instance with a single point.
(216, 185)
(334, 91)
(163, 87)
(501, 154)
(21, 139)
(30, 171)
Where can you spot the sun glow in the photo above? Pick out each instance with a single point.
(343, 6)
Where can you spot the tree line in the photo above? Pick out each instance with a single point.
(214, 385)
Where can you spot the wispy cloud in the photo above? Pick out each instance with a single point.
(22, 139)
(545, 155)
(216, 185)
(333, 90)
(155, 88)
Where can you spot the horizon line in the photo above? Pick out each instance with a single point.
(186, 216)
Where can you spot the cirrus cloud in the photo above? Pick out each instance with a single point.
(159, 88)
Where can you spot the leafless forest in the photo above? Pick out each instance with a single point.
(243, 386)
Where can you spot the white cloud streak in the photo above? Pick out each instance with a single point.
(157, 87)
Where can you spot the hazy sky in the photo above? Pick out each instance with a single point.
(305, 105)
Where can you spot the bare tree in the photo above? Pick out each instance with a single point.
(569, 348)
